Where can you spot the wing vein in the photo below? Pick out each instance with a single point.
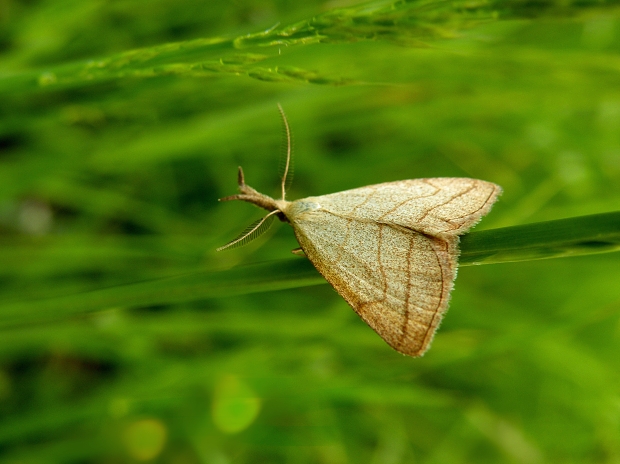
(429, 210)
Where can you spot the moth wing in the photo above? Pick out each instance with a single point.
(442, 206)
(396, 279)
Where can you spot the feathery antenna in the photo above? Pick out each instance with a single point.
(247, 193)
(254, 230)
(287, 169)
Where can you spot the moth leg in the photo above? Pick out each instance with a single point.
(298, 252)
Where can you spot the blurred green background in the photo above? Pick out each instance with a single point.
(122, 123)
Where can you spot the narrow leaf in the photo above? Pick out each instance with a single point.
(584, 235)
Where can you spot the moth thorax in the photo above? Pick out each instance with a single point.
(301, 207)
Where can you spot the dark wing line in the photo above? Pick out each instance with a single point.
(344, 275)
(348, 216)
(465, 192)
(381, 269)
(443, 299)
(403, 329)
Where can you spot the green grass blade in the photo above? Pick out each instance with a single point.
(597, 233)
(262, 277)
(412, 24)
(551, 239)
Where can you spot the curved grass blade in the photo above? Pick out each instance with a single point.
(584, 235)
(240, 280)
(581, 235)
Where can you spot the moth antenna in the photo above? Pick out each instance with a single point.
(240, 177)
(253, 231)
(287, 165)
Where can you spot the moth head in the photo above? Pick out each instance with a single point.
(251, 195)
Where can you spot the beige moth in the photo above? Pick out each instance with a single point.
(390, 250)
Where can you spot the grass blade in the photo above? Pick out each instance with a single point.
(551, 239)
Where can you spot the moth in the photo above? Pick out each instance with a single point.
(390, 250)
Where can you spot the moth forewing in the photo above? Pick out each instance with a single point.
(396, 279)
(434, 206)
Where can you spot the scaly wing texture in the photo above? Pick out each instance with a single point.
(442, 206)
(391, 250)
(398, 281)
